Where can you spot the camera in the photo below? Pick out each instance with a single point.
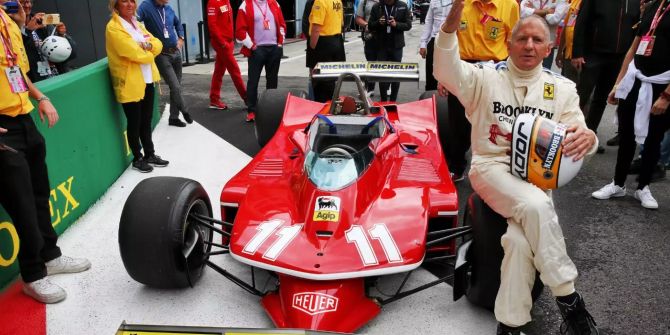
(11, 7)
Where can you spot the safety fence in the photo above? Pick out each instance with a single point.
(87, 151)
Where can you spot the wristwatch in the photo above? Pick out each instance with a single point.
(43, 98)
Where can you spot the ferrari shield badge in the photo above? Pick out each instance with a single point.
(463, 25)
(493, 33)
(548, 91)
(327, 209)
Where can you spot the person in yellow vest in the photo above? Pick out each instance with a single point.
(131, 50)
(564, 55)
(24, 180)
(326, 41)
(483, 32)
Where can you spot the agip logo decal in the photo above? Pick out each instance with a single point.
(314, 303)
(327, 209)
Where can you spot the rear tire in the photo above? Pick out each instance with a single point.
(270, 111)
(160, 245)
(486, 254)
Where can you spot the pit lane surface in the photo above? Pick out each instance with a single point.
(620, 249)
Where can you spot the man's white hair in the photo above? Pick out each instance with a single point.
(534, 17)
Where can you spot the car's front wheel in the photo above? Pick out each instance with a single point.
(269, 112)
(161, 243)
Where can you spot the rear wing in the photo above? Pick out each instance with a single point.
(368, 71)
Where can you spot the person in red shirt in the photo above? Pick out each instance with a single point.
(220, 24)
(260, 28)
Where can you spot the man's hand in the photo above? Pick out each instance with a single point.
(579, 142)
(442, 91)
(47, 109)
(180, 43)
(660, 106)
(578, 62)
(392, 22)
(382, 21)
(422, 52)
(453, 20)
(36, 22)
(19, 17)
(2, 130)
(61, 29)
(611, 99)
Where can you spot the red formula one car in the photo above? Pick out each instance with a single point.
(341, 195)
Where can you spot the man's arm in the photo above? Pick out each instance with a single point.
(213, 24)
(405, 24)
(462, 79)
(578, 39)
(427, 31)
(559, 13)
(242, 29)
(314, 35)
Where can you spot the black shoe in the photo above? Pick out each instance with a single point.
(507, 330)
(142, 165)
(576, 319)
(187, 117)
(176, 123)
(600, 149)
(156, 161)
(614, 141)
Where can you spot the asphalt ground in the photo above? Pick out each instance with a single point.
(621, 249)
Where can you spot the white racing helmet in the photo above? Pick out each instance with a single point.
(537, 152)
(55, 48)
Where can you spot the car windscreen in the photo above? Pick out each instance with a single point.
(336, 166)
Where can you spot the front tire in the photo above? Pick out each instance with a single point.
(161, 246)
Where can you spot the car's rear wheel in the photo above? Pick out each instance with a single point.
(441, 115)
(161, 244)
(269, 112)
(485, 254)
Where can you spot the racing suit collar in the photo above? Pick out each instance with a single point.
(523, 78)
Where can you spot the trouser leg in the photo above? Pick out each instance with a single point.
(272, 67)
(234, 71)
(569, 71)
(587, 81)
(531, 211)
(328, 49)
(219, 71)
(255, 63)
(396, 56)
(133, 117)
(169, 67)
(458, 136)
(25, 194)
(370, 50)
(383, 55)
(146, 114)
(605, 81)
(627, 145)
(658, 124)
(431, 82)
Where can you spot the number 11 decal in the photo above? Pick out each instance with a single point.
(380, 232)
(265, 229)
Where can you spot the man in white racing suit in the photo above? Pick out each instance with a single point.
(493, 95)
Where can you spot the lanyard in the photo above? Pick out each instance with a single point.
(163, 19)
(657, 18)
(263, 12)
(7, 42)
(387, 11)
(486, 18)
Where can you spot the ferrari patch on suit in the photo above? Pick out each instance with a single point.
(548, 91)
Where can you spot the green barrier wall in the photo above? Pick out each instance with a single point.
(86, 151)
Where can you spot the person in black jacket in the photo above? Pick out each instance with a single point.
(603, 33)
(390, 20)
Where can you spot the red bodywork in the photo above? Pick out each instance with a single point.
(321, 271)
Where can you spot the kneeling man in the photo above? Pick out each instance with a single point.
(493, 95)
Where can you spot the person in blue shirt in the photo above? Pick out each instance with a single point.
(162, 22)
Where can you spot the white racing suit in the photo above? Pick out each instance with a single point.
(493, 95)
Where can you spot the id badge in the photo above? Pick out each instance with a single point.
(15, 79)
(166, 34)
(388, 29)
(266, 25)
(43, 68)
(646, 46)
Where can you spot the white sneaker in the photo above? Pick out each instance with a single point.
(65, 264)
(646, 199)
(608, 191)
(45, 291)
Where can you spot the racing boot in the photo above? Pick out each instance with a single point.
(576, 319)
(504, 329)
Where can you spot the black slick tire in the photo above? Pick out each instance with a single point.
(269, 112)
